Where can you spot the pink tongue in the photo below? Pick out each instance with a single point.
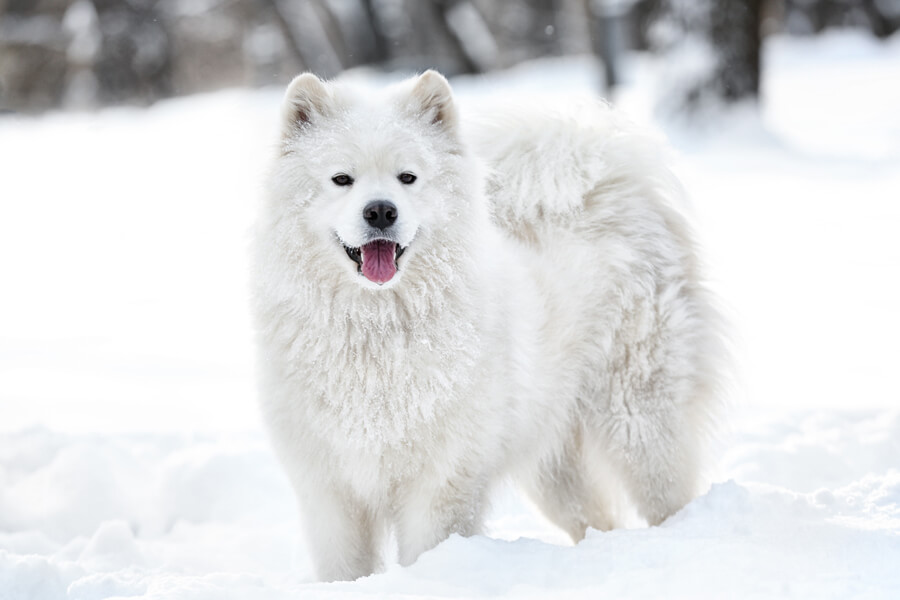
(378, 260)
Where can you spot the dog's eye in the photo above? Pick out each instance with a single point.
(342, 179)
(406, 178)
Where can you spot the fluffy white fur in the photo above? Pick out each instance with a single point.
(547, 321)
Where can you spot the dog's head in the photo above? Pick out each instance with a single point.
(372, 175)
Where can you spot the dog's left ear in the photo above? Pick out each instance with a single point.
(432, 100)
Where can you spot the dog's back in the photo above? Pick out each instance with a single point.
(629, 328)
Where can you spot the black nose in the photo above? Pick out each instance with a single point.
(380, 213)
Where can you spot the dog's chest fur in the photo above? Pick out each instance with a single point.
(380, 372)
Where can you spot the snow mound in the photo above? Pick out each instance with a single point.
(757, 539)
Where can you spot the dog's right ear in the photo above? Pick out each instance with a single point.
(306, 99)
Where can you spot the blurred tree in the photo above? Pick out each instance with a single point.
(644, 13)
(134, 58)
(608, 18)
(881, 17)
(470, 35)
(734, 31)
(712, 54)
(312, 35)
(377, 53)
(448, 35)
(33, 59)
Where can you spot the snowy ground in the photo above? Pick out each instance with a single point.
(131, 458)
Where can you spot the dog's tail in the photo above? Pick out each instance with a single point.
(551, 163)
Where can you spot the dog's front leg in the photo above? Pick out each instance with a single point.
(342, 534)
(431, 512)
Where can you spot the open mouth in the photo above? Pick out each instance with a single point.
(377, 260)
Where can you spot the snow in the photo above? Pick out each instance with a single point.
(132, 461)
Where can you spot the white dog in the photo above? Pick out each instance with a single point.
(442, 304)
